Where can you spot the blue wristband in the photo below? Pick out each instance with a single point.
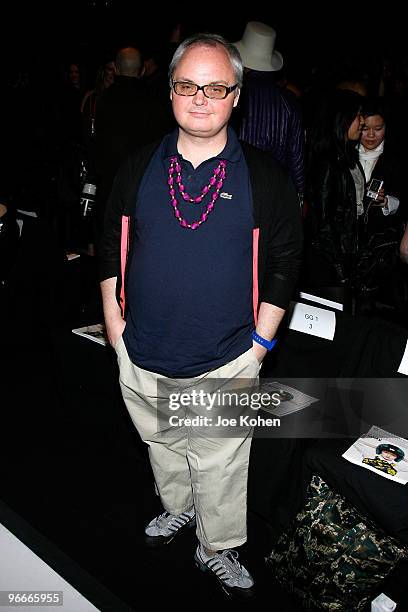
(268, 344)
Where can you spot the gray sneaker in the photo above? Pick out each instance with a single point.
(164, 528)
(233, 578)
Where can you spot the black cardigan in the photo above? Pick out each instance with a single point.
(276, 213)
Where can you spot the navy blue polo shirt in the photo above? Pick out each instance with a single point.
(189, 292)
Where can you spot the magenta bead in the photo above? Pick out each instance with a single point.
(215, 181)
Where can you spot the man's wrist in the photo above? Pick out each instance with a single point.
(259, 351)
(267, 344)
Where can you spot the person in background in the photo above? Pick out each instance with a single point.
(69, 104)
(356, 85)
(404, 246)
(68, 131)
(214, 252)
(335, 191)
(382, 224)
(268, 116)
(105, 76)
(74, 75)
(127, 116)
(377, 160)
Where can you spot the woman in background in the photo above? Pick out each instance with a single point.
(334, 191)
(104, 79)
(376, 160)
(382, 224)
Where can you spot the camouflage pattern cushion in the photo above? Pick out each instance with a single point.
(332, 557)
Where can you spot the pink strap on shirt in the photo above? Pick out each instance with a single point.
(255, 287)
(124, 248)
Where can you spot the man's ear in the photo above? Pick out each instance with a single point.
(236, 98)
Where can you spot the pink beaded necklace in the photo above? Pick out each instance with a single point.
(216, 181)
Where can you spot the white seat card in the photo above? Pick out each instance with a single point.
(313, 320)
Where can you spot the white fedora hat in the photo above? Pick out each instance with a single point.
(257, 48)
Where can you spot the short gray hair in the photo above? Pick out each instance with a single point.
(208, 40)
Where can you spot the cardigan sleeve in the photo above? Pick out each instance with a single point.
(283, 244)
(121, 202)
(109, 258)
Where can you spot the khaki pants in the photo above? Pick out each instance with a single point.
(190, 468)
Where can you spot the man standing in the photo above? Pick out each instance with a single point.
(214, 249)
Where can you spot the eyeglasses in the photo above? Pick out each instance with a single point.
(212, 91)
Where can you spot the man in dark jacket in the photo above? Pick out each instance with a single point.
(127, 116)
(269, 116)
(214, 249)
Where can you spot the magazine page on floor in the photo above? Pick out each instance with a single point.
(381, 452)
(96, 333)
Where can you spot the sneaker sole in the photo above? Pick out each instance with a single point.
(154, 541)
(230, 592)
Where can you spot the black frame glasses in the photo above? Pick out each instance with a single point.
(213, 91)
